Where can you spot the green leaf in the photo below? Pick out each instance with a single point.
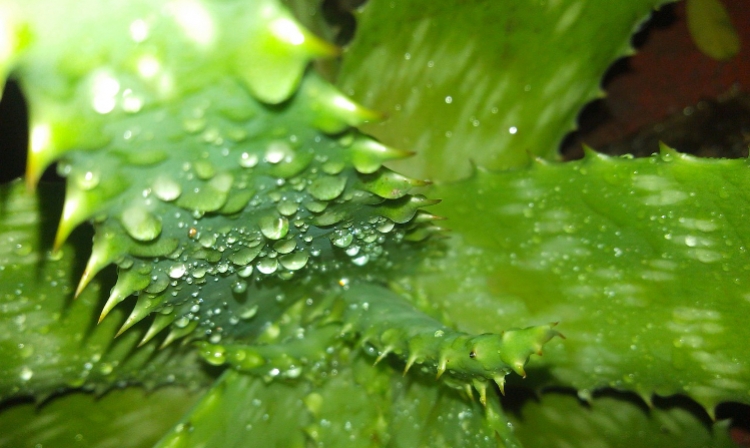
(128, 418)
(340, 410)
(214, 166)
(643, 262)
(48, 341)
(613, 421)
(484, 81)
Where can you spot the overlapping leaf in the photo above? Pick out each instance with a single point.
(48, 341)
(484, 81)
(339, 411)
(644, 263)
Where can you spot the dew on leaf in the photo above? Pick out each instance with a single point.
(342, 238)
(166, 189)
(244, 256)
(139, 30)
(248, 313)
(294, 261)
(268, 266)
(278, 151)
(246, 271)
(140, 223)
(285, 246)
(248, 160)
(327, 188)
(26, 373)
(274, 227)
(182, 322)
(204, 169)
(287, 207)
(239, 287)
(88, 180)
(177, 271)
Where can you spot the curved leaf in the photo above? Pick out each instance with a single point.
(484, 81)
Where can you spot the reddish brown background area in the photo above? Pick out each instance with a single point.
(668, 74)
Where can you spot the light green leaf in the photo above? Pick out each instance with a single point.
(48, 340)
(484, 81)
(643, 262)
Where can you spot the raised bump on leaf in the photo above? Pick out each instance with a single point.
(500, 381)
(403, 210)
(481, 387)
(390, 321)
(332, 110)
(390, 185)
(276, 52)
(369, 155)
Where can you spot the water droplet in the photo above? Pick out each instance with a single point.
(274, 227)
(294, 261)
(691, 241)
(104, 91)
(239, 287)
(278, 151)
(166, 189)
(138, 30)
(352, 250)
(177, 271)
(244, 256)
(268, 266)
(248, 313)
(194, 125)
(285, 246)
(106, 368)
(361, 260)
(182, 322)
(448, 99)
(248, 160)
(204, 169)
(88, 180)
(342, 239)
(26, 373)
(214, 355)
(287, 207)
(130, 102)
(245, 272)
(327, 188)
(140, 224)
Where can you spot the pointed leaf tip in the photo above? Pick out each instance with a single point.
(161, 321)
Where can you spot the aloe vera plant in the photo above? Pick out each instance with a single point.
(260, 273)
